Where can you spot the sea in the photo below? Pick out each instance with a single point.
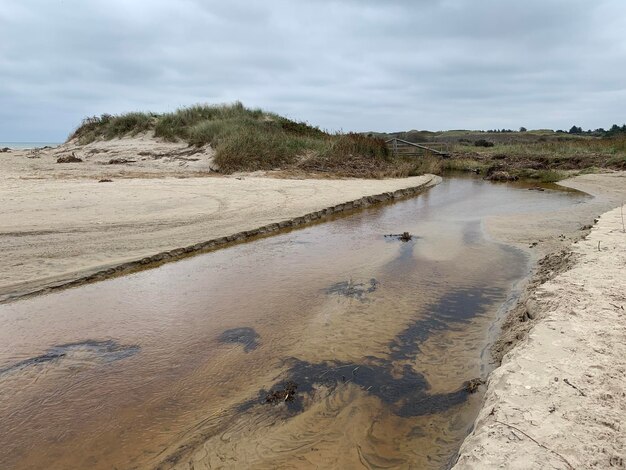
(27, 145)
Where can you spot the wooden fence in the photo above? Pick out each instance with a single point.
(404, 148)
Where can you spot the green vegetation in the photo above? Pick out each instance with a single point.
(464, 164)
(550, 153)
(542, 155)
(251, 139)
(108, 126)
(543, 176)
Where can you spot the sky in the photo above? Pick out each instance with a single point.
(351, 65)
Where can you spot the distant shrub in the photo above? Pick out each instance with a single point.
(483, 143)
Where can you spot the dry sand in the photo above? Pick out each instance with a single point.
(145, 156)
(58, 223)
(558, 400)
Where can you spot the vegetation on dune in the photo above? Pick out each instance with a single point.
(543, 155)
(551, 148)
(548, 158)
(250, 139)
(107, 126)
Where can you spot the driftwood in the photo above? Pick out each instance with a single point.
(404, 236)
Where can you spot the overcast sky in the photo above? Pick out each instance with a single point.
(343, 65)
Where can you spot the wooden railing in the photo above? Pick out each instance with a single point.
(399, 147)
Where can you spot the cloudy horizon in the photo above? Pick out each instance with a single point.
(342, 65)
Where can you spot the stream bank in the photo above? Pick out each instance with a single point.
(73, 230)
(557, 401)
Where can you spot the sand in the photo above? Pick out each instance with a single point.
(145, 156)
(58, 223)
(558, 400)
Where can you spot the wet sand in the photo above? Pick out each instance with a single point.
(557, 401)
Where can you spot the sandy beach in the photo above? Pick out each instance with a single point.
(555, 402)
(59, 223)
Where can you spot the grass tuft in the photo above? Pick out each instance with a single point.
(543, 176)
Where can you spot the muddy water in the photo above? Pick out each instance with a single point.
(373, 338)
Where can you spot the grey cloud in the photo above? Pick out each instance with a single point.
(351, 64)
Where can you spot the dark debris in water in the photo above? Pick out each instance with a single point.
(406, 393)
(355, 290)
(287, 393)
(244, 335)
(106, 351)
(404, 236)
(396, 384)
(471, 386)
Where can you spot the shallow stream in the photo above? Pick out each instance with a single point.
(330, 346)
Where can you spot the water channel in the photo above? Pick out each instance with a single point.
(371, 339)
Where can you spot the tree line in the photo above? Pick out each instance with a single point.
(613, 130)
(576, 130)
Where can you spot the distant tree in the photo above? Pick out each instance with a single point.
(522, 129)
(576, 130)
(615, 129)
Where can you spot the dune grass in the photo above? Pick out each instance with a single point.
(538, 150)
(464, 164)
(250, 139)
(553, 153)
(555, 148)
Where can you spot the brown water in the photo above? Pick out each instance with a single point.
(172, 365)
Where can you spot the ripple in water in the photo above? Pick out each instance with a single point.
(104, 351)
